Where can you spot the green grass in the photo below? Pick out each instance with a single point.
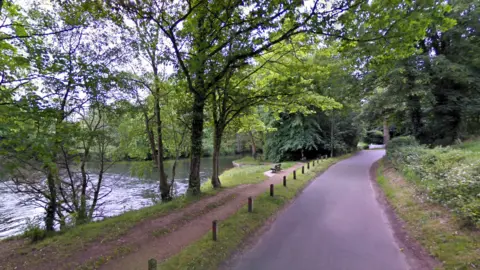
(432, 225)
(207, 254)
(64, 244)
(362, 145)
(473, 146)
(249, 160)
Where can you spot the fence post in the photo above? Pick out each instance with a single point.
(284, 180)
(250, 204)
(152, 264)
(303, 169)
(308, 165)
(295, 174)
(214, 230)
(271, 190)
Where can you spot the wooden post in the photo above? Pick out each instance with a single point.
(294, 174)
(152, 264)
(284, 180)
(271, 190)
(214, 230)
(308, 165)
(303, 169)
(250, 204)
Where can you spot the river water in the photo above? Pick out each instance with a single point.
(127, 189)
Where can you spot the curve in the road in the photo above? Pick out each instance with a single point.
(335, 224)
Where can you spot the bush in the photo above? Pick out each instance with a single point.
(34, 232)
(374, 137)
(450, 177)
(402, 141)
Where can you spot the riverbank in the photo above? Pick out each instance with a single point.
(127, 186)
(248, 161)
(96, 243)
(439, 232)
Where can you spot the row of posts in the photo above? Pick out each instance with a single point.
(152, 263)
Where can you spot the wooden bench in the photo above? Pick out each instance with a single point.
(276, 168)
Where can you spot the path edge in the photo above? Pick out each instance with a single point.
(416, 256)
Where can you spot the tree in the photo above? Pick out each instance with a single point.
(209, 39)
(432, 94)
(71, 74)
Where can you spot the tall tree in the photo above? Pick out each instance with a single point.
(209, 39)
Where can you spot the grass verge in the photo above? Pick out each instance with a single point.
(64, 244)
(207, 254)
(248, 160)
(438, 231)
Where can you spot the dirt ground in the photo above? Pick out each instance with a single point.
(157, 238)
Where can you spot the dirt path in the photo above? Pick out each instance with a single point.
(186, 225)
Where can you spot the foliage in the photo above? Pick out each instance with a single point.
(432, 95)
(309, 136)
(401, 141)
(440, 233)
(450, 177)
(34, 231)
(374, 137)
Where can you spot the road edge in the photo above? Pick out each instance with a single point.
(416, 256)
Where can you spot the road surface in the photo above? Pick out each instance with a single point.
(335, 224)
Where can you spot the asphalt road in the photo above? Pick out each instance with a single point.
(335, 224)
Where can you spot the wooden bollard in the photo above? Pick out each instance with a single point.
(250, 204)
(308, 165)
(303, 169)
(214, 230)
(295, 174)
(284, 180)
(152, 264)
(271, 190)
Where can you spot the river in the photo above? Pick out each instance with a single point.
(127, 190)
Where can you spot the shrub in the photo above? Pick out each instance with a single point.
(374, 137)
(402, 141)
(450, 177)
(34, 232)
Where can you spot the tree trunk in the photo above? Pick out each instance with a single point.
(151, 138)
(52, 201)
(254, 146)
(196, 144)
(331, 137)
(386, 131)
(217, 142)
(415, 110)
(164, 186)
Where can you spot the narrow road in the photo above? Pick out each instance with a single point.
(335, 224)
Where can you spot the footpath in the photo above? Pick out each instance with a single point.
(335, 224)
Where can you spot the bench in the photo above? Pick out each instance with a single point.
(276, 168)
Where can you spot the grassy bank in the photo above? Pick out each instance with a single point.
(248, 160)
(63, 244)
(439, 232)
(206, 254)
(450, 176)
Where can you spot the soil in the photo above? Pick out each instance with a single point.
(417, 257)
(157, 238)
